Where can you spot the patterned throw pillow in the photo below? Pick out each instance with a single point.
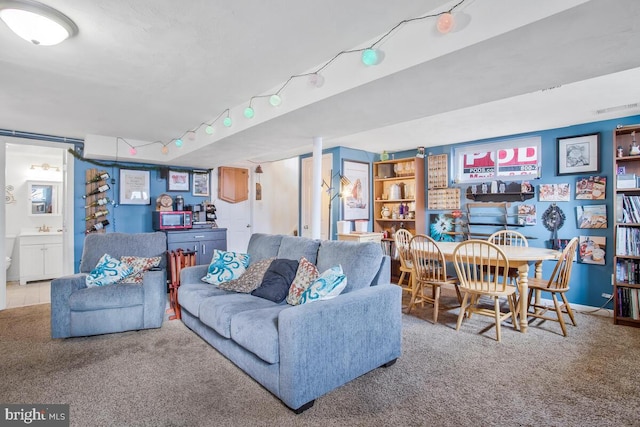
(327, 286)
(226, 266)
(251, 278)
(108, 271)
(306, 274)
(139, 265)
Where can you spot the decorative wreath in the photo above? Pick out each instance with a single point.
(553, 218)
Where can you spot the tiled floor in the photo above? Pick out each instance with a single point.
(29, 294)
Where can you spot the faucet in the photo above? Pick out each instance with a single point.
(44, 228)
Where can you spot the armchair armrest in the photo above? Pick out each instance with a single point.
(61, 290)
(325, 344)
(193, 274)
(155, 297)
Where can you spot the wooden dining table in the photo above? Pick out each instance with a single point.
(520, 257)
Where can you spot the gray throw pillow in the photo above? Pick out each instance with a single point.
(277, 280)
(250, 279)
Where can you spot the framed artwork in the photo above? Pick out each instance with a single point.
(591, 216)
(592, 249)
(134, 187)
(591, 188)
(578, 154)
(527, 215)
(441, 227)
(554, 192)
(177, 181)
(201, 183)
(355, 200)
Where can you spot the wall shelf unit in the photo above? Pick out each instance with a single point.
(626, 235)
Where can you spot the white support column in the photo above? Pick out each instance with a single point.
(316, 193)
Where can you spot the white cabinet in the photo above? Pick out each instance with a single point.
(40, 257)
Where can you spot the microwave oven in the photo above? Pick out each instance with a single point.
(172, 220)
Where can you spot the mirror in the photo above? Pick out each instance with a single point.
(43, 197)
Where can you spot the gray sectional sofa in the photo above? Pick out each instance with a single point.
(301, 352)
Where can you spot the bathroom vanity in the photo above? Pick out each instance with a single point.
(40, 256)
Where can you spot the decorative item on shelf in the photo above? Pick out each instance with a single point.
(179, 203)
(97, 226)
(386, 212)
(101, 176)
(619, 152)
(164, 203)
(98, 190)
(634, 150)
(384, 156)
(96, 214)
(504, 192)
(420, 153)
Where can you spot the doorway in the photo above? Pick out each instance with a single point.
(26, 160)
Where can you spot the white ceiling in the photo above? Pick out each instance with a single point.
(150, 70)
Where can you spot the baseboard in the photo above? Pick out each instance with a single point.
(585, 309)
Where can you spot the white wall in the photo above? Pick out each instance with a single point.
(277, 212)
(19, 158)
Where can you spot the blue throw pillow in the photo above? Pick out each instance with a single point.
(277, 280)
(226, 266)
(108, 271)
(327, 286)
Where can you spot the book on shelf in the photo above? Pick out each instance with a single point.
(628, 271)
(628, 303)
(627, 241)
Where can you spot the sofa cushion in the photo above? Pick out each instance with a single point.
(257, 332)
(250, 280)
(277, 280)
(217, 311)
(305, 275)
(107, 272)
(263, 246)
(138, 266)
(360, 261)
(102, 297)
(327, 286)
(293, 247)
(226, 265)
(190, 295)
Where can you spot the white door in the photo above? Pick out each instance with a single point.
(235, 217)
(307, 192)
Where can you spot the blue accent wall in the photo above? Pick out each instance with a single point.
(588, 281)
(122, 218)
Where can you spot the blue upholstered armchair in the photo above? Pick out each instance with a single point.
(78, 310)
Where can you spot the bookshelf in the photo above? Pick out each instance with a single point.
(626, 275)
(396, 183)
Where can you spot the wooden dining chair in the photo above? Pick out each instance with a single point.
(472, 260)
(429, 273)
(509, 238)
(402, 239)
(558, 283)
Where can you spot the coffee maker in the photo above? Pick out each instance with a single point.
(204, 215)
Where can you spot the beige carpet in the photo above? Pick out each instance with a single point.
(170, 377)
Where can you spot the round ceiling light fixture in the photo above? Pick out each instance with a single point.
(37, 23)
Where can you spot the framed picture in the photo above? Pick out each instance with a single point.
(592, 249)
(578, 154)
(355, 203)
(200, 183)
(177, 181)
(591, 216)
(554, 192)
(591, 188)
(134, 187)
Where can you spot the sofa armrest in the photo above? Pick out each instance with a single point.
(193, 274)
(325, 344)
(155, 297)
(61, 290)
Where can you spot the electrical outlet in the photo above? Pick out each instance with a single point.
(606, 295)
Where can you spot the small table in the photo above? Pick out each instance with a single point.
(361, 237)
(519, 257)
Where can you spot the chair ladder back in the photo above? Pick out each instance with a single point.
(402, 239)
(562, 271)
(474, 258)
(428, 261)
(508, 238)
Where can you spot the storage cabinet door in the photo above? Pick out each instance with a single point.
(207, 247)
(53, 260)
